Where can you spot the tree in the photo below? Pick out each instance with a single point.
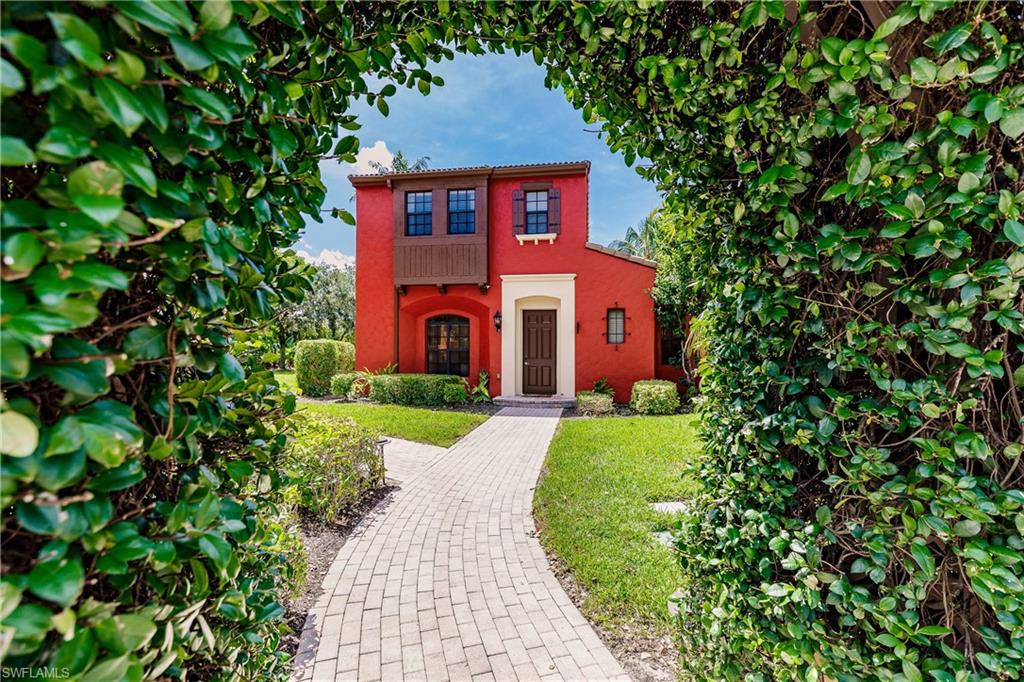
(855, 168)
(643, 239)
(327, 312)
(400, 164)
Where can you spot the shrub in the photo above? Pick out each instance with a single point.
(594, 402)
(654, 396)
(411, 389)
(341, 384)
(332, 462)
(478, 394)
(455, 394)
(603, 387)
(318, 360)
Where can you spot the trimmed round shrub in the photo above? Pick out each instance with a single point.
(654, 396)
(594, 402)
(455, 394)
(318, 360)
(341, 384)
(411, 389)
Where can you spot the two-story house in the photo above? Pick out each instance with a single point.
(490, 268)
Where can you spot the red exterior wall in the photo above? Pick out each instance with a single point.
(602, 281)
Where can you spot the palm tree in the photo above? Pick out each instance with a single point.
(644, 239)
(400, 164)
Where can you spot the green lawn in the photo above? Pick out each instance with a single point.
(287, 381)
(436, 427)
(592, 506)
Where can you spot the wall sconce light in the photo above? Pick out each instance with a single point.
(497, 320)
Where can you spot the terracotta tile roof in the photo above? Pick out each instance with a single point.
(507, 169)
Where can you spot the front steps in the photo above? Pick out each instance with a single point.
(561, 401)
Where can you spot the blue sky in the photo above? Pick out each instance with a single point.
(493, 109)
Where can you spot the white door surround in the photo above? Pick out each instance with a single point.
(538, 292)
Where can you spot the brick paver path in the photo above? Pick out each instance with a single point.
(449, 582)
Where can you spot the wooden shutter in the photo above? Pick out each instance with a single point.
(554, 210)
(518, 211)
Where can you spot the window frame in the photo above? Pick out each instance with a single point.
(452, 327)
(410, 213)
(545, 213)
(620, 334)
(471, 212)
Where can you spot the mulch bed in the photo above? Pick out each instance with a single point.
(321, 542)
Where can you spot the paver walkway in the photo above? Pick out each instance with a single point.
(449, 582)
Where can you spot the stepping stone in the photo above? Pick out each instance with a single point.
(673, 603)
(664, 537)
(670, 507)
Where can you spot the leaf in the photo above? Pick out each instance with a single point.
(1014, 231)
(232, 45)
(911, 671)
(192, 56)
(59, 581)
(146, 343)
(133, 163)
(1012, 123)
(14, 152)
(924, 559)
(859, 165)
(119, 103)
(95, 189)
(78, 38)
(215, 15)
(212, 103)
(216, 548)
(129, 68)
(923, 71)
(19, 435)
(283, 140)
(61, 145)
(966, 528)
(151, 103)
(118, 478)
(11, 80)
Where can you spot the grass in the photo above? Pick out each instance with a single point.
(592, 504)
(435, 427)
(287, 381)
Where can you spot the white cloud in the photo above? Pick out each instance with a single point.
(328, 257)
(379, 152)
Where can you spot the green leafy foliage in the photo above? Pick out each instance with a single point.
(333, 462)
(853, 180)
(341, 384)
(411, 389)
(654, 396)
(455, 394)
(594, 402)
(318, 360)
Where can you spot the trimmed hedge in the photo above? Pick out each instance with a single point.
(654, 396)
(455, 394)
(411, 389)
(341, 384)
(594, 402)
(318, 360)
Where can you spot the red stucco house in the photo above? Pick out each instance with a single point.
(490, 268)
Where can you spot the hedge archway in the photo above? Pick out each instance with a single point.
(856, 176)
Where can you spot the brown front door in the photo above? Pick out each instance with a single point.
(539, 352)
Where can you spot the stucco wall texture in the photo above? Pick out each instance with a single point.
(602, 281)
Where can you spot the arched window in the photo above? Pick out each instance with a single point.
(448, 345)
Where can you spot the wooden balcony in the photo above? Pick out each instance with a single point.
(441, 260)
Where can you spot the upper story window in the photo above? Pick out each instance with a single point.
(616, 325)
(537, 212)
(419, 209)
(461, 211)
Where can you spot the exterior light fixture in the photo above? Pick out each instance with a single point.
(497, 320)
